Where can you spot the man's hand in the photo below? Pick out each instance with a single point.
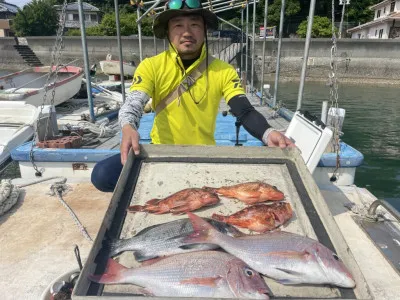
(130, 138)
(277, 139)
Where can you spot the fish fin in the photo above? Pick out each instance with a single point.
(206, 281)
(141, 256)
(217, 217)
(153, 201)
(202, 230)
(289, 254)
(136, 208)
(137, 290)
(151, 261)
(290, 272)
(114, 273)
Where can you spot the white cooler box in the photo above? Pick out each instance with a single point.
(310, 135)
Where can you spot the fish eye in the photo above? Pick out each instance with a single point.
(249, 272)
(275, 188)
(335, 256)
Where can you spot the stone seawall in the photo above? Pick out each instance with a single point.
(357, 59)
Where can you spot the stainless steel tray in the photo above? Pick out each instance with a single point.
(162, 170)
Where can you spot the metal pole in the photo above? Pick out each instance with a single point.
(247, 42)
(86, 61)
(229, 23)
(139, 27)
(306, 50)
(263, 52)
(121, 59)
(149, 10)
(341, 20)
(253, 47)
(324, 112)
(241, 44)
(278, 60)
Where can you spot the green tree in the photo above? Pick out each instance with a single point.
(322, 27)
(38, 18)
(274, 10)
(127, 23)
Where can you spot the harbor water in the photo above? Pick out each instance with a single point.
(371, 125)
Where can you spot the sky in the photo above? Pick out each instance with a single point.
(19, 3)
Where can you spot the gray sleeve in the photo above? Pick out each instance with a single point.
(131, 111)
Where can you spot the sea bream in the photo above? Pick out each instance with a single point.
(286, 257)
(259, 217)
(200, 274)
(178, 203)
(166, 239)
(250, 192)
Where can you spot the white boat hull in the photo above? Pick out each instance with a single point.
(68, 84)
(112, 67)
(16, 126)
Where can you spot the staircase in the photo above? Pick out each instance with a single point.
(28, 55)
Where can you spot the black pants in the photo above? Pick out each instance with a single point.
(105, 173)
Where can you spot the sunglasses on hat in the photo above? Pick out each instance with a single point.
(179, 4)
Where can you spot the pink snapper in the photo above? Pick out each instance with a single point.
(198, 274)
(286, 257)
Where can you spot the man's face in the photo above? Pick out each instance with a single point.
(186, 33)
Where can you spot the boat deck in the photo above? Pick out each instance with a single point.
(37, 238)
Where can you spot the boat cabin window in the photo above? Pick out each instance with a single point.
(380, 33)
(392, 4)
(378, 14)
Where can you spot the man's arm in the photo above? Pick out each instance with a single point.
(256, 124)
(129, 119)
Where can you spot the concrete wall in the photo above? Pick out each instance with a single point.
(356, 58)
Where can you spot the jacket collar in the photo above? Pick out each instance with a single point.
(174, 55)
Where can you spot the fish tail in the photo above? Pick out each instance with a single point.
(114, 273)
(117, 246)
(203, 232)
(136, 208)
(217, 217)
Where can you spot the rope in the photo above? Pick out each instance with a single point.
(9, 194)
(102, 130)
(58, 188)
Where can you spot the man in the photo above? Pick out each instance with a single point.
(186, 85)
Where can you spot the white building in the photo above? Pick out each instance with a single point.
(386, 23)
(92, 14)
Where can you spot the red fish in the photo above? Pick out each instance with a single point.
(250, 192)
(178, 203)
(259, 217)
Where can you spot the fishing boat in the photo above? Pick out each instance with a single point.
(327, 206)
(16, 126)
(30, 85)
(112, 67)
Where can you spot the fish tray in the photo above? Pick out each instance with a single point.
(161, 170)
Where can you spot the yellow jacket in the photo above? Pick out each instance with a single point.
(191, 119)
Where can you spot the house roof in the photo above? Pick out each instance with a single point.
(390, 17)
(4, 6)
(75, 6)
(380, 4)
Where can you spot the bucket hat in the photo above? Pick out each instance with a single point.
(160, 25)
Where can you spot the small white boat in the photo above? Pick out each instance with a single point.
(29, 85)
(16, 126)
(112, 67)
